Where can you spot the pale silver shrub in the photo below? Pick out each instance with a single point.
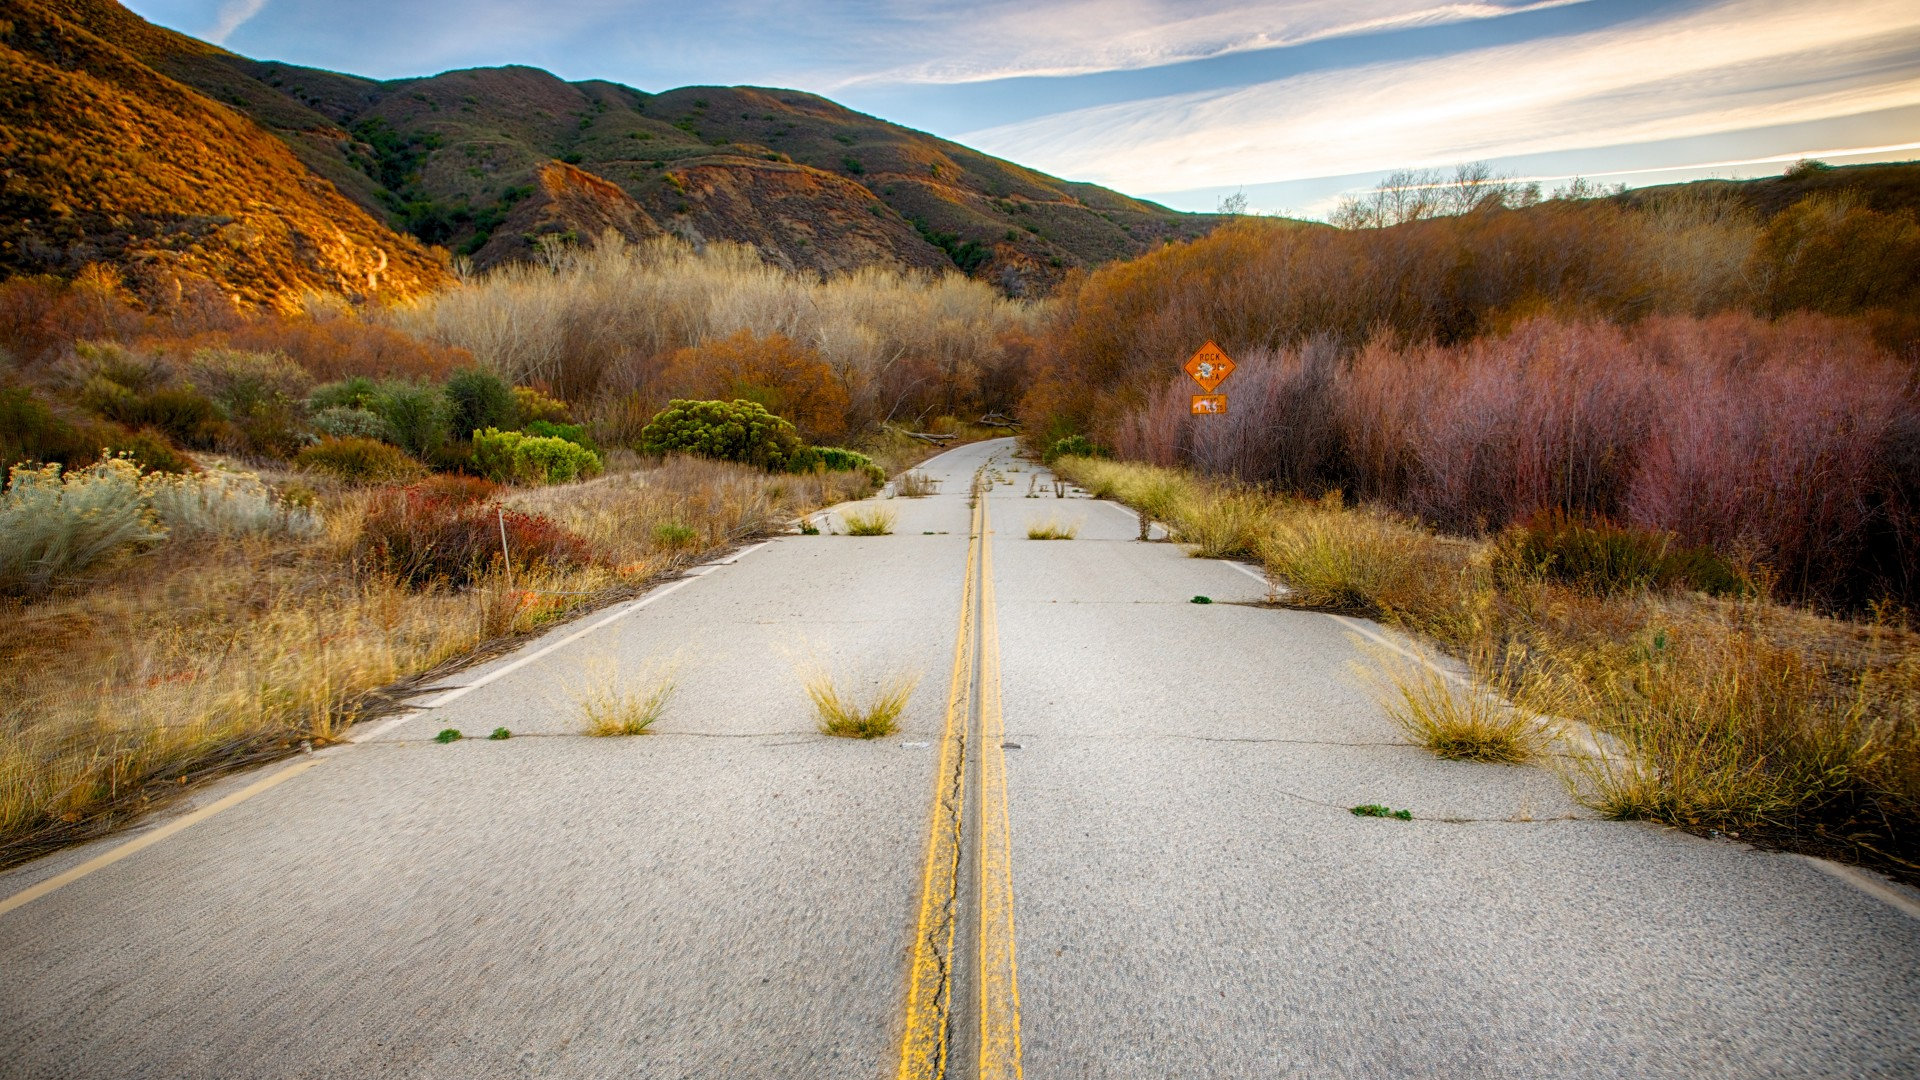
(53, 526)
(224, 504)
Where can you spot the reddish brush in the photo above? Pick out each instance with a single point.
(1776, 441)
(423, 536)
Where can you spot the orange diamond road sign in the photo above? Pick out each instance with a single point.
(1209, 404)
(1209, 367)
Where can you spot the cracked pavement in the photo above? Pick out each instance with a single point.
(734, 896)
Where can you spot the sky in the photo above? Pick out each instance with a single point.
(1293, 103)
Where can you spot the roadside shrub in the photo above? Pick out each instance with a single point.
(30, 431)
(416, 412)
(787, 378)
(531, 405)
(1606, 558)
(838, 459)
(573, 433)
(224, 504)
(742, 431)
(358, 461)
(344, 422)
(54, 525)
(477, 398)
(357, 392)
(150, 451)
(421, 537)
(258, 394)
(186, 415)
(514, 457)
(1071, 446)
(458, 490)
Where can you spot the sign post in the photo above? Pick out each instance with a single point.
(1209, 367)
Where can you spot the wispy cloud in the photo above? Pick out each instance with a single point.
(975, 42)
(232, 16)
(1734, 65)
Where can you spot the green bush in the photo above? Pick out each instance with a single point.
(740, 431)
(30, 431)
(531, 405)
(1607, 558)
(258, 393)
(416, 412)
(347, 422)
(150, 451)
(186, 415)
(838, 459)
(573, 433)
(477, 398)
(515, 457)
(355, 393)
(1072, 446)
(55, 525)
(359, 461)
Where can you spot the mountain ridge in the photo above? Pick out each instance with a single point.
(489, 163)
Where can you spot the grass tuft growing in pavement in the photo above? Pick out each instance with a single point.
(843, 715)
(1052, 529)
(448, 735)
(500, 733)
(873, 521)
(615, 704)
(1376, 810)
(1454, 722)
(915, 485)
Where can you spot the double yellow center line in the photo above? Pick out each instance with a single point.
(967, 821)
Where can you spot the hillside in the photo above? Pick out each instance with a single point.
(109, 160)
(812, 184)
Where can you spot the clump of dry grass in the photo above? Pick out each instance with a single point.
(871, 521)
(843, 715)
(1226, 524)
(915, 484)
(1456, 722)
(1052, 529)
(615, 703)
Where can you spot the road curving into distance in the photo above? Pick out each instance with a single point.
(1111, 839)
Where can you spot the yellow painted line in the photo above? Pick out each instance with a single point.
(145, 840)
(924, 1044)
(999, 981)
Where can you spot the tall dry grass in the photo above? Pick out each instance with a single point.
(213, 648)
(604, 322)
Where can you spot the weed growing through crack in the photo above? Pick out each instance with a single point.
(448, 735)
(1052, 529)
(1376, 810)
(845, 716)
(874, 521)
(1457, 723)
(615, 704)
(500, 733)
(915, 485)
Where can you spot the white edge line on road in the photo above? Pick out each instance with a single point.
(1895, 896)
(144, 840)
(504, 670)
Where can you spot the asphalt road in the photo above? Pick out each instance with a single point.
(735, 895)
